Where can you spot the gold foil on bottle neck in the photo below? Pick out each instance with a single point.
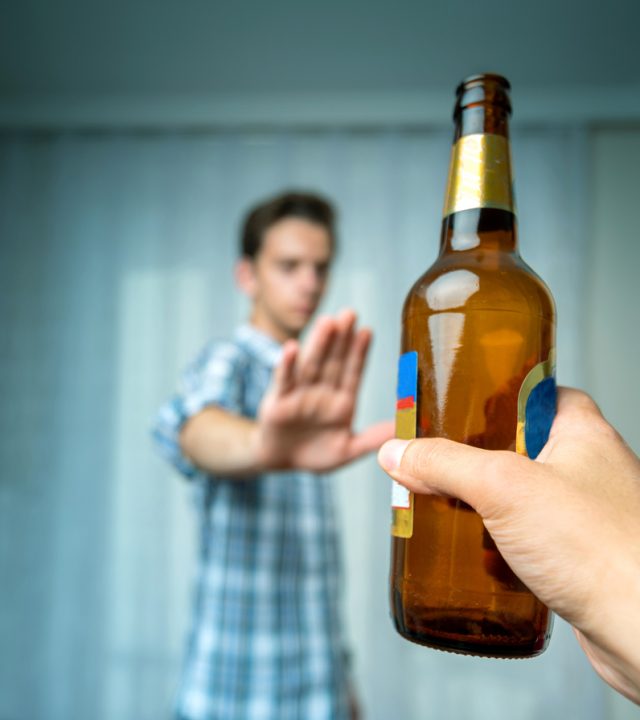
(480, 174)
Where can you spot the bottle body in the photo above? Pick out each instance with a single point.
(482, 327)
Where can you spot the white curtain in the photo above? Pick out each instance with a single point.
(116, 266)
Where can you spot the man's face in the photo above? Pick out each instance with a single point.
(288, 276)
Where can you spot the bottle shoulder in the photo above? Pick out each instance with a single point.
(469, 281)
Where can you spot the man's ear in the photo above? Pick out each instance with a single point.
(245, 275)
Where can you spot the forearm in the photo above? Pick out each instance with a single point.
(221, 443)
(612, 643)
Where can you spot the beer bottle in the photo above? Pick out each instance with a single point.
(477, 366)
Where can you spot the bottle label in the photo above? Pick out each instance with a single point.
(406, 425)
(537, 402)
(480, 174)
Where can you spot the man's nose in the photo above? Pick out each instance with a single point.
(311, 281)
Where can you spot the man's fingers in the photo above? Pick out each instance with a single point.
(284, 373)
(335, 360)
(370, 439)
(316, 349)
(444, 467)
(354, 361)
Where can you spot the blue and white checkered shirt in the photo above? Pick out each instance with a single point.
(266, 640)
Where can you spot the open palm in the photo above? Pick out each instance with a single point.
(306, 416)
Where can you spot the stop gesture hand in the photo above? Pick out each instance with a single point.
(306, 417)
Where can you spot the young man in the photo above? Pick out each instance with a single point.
(257, 419)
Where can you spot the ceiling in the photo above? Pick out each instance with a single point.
(201, 48)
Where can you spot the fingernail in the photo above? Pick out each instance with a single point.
(391, 454)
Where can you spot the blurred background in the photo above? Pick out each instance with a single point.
(133, 136)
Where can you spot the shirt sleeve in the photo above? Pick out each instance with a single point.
(215, 378)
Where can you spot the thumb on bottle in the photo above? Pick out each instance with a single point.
(444, 467)
(390, 455)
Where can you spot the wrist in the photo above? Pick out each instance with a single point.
(256, 446)
(613, 646)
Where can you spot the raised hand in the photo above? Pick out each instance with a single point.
(305, 419)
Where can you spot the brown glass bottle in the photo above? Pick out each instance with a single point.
(483, 327)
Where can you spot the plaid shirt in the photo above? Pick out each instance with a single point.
(265, 640)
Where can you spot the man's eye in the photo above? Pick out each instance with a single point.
(321, 270)
(288, 266)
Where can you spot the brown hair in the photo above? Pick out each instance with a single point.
(260, 218)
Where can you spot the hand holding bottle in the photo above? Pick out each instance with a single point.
(568, 524)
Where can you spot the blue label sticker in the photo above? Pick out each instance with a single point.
(406, 424)
(539, 414)
(536, 408)
(407, 376)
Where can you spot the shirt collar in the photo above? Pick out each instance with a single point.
(264, 347)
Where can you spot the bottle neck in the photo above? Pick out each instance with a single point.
(479, 209)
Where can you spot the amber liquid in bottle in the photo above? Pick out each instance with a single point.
(480, 321)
